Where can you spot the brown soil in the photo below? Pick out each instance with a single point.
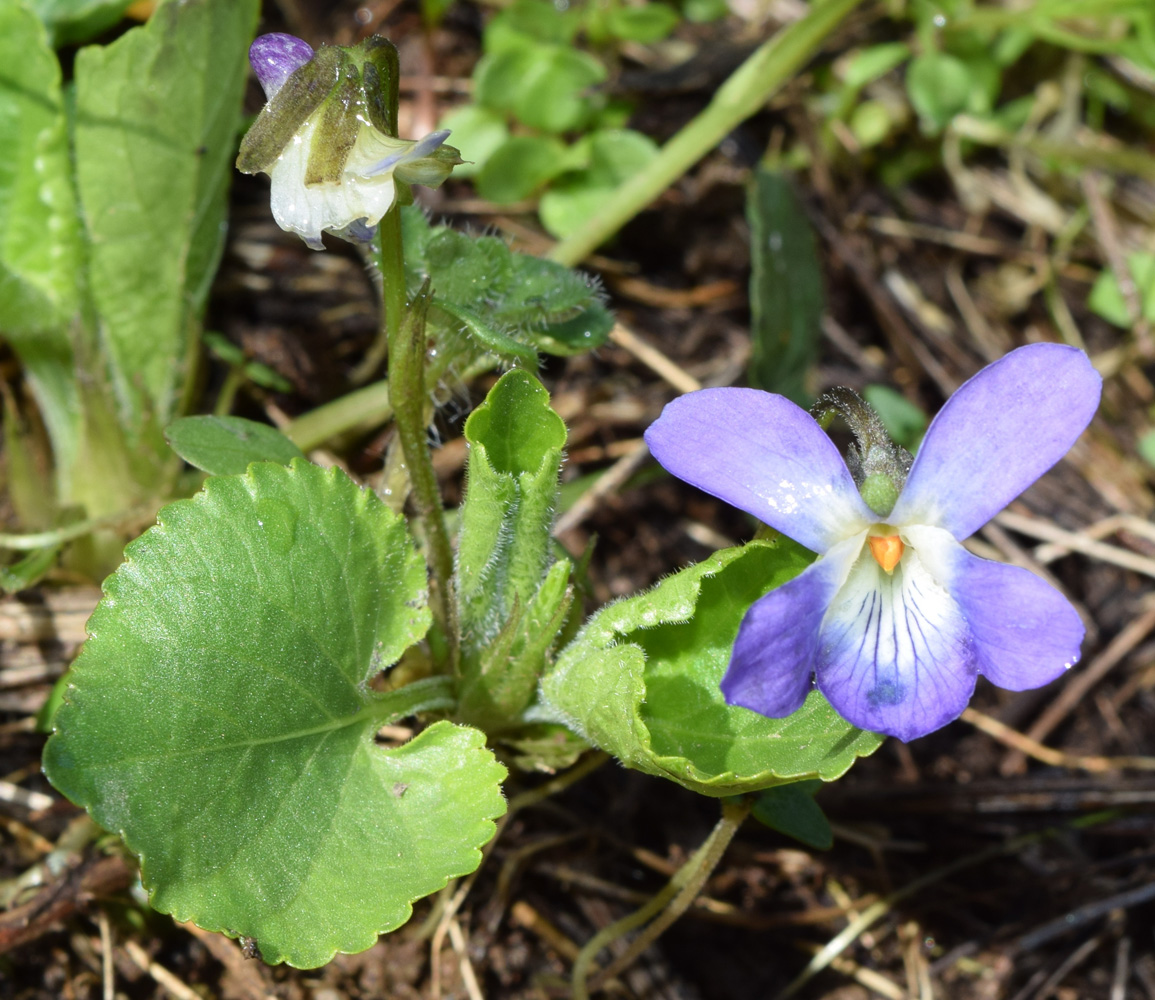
(989, 872)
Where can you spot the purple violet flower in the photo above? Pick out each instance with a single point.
(895, 619)
(325, 140)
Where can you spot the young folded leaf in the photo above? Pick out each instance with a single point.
(512, 595)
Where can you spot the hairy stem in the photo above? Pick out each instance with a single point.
(389, 259)
(407, 392)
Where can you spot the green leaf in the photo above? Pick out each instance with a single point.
(552, 96)
(867, 65)
(547, 748)
(498, 75)
(519, 166)
(511, 602)
(704, 11)
(531, 21)
(156, 121)
(791, 809)
(23, 573)
(786, 298)
(646, 25)
(570, 204)
(225, 446)
(871, 122)
(493, 339)
(642, 678)
(40, 246)
(72, 21)
(586, 331)
(510, 304)
(1145, 446)
(223, 349)
(265, 377)
(432, 11)
(614, 157)
(1106, 297)
(516, 441)
(542, 85)
(940, 87)
(222, 718)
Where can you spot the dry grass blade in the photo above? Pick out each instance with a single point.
(1077, 542)
(1055, 758)
(1081, 684)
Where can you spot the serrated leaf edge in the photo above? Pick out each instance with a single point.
(676, 768)
(486, 824)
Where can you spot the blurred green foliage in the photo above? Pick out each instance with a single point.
(541, 122)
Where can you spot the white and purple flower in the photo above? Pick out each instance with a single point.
(895, 620)
(327, 137)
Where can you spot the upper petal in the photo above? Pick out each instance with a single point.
(1025, 633)
(777, 647)
(277, 56)
(895, 652)
(996, 435)
(761, 453)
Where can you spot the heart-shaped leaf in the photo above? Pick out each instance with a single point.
(221, 718)
(642, 681)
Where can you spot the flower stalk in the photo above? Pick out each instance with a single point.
(408, 395)
(665, 907)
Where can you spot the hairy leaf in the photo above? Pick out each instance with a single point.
(156, 121)
(512, 304)
(504, 551)
(221, 718)
(39, 233)
(642, 681)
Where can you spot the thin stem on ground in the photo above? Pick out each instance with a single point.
(366, 407)
(78, 529)
(664, 908)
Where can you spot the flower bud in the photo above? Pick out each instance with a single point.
(328, 137)
(877, 465)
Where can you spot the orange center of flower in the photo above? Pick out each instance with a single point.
(886, 551)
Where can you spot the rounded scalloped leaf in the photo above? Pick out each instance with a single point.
(220, 718)
(642, 681)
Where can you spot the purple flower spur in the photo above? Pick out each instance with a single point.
(895, 620)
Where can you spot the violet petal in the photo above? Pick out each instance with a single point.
(996, 435)
(895, 651)
(764, 455)
(773, 659)
(425, 146)
(1025, 633)
(276, 57)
